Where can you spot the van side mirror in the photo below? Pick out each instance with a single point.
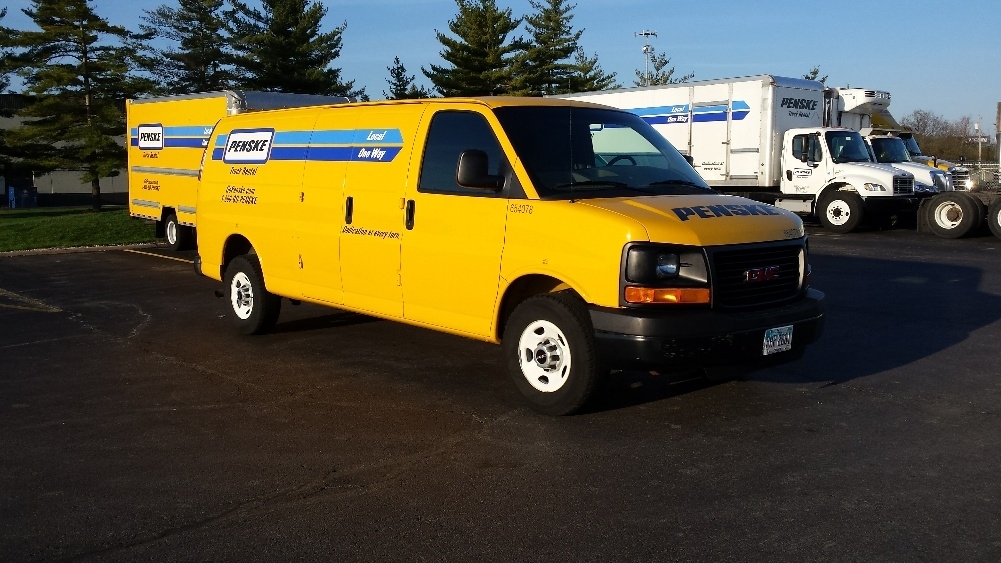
(690, 160)
(472, 171)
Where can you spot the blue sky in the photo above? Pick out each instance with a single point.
(933, 55)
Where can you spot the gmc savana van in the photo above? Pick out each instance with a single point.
(572, 234)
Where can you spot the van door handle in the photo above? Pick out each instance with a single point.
(410, 215)
(349, 210)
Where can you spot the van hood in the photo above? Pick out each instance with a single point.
(705, 220)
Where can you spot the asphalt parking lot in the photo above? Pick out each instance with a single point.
(135, 425)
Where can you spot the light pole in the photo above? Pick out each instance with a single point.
(648, 51)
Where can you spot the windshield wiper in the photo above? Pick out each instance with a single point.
(676, 183)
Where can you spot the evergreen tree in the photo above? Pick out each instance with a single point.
(545, 67)
(814, 74)
(661, 74)
(283, 50)
(4, 62)
(587, 75)
(481, 58)
(76, 68)
(199, 59)
(401, 86)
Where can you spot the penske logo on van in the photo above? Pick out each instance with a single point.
(248, 146)
(150, 137)
(370, 145)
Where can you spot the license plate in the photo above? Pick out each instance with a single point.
(777, 340)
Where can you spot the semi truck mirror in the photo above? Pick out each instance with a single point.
(472, 171)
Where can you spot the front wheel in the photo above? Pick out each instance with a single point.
(254, 309)
(550, 353)
(840, 211)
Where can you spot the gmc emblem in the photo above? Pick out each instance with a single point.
(768, 273)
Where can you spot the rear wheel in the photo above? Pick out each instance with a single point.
(254, 309)
(178, 236)
(953, 214)
(994, 217)
(840, 211)
(550, 353)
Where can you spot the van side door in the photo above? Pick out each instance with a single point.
(373, 206)
(454, 235)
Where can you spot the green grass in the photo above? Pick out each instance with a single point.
(58, 227)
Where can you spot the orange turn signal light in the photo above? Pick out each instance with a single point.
(667, 295)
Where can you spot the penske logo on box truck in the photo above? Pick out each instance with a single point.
(572, 234)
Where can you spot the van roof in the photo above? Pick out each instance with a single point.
(488, 101)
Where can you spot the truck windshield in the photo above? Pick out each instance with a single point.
(889, 150)
(912, 146)
(575, 153)
(847, 146)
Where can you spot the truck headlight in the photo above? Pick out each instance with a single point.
(875, 187)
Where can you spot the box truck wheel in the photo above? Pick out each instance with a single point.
(255, 309)
(840, 211)
(994, 217)
(550, 353)
(178, 236)
(953, 214)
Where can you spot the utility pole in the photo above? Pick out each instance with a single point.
(980, 139)
(648, 50)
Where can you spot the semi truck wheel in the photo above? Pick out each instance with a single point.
(840, 211)
(178, 236)
(254, 309)
(953, 214)
(994, 217)
(550, 353)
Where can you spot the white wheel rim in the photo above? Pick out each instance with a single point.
(997, 217)
(544, 356)
(171, 232)
(838, 212)
(241, 295)
(948, 215)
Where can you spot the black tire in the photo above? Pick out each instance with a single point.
(550, 353)
(178, 236)
(953, 214)
(253, 309)
(994, 217)
(840, 211)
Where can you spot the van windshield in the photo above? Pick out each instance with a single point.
(575, 153)
(889, 150)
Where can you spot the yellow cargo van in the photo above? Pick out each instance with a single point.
(167, 136)
(571, 233)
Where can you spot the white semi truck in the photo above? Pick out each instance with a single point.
(765, 138)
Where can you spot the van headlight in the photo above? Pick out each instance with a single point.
(657, 273)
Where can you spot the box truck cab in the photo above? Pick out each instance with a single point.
(890, 149)
(167, 137)
(738, 132)
(572, 234)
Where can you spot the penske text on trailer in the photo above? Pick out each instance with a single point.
(572, 234)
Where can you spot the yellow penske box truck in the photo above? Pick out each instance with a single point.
(167, 137)
(572, 234)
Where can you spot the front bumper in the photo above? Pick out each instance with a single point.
(892, 204)
(648, 339)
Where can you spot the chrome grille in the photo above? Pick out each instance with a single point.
(961, 178)
(731, 288)
(903, 185)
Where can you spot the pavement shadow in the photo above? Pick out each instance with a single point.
(880, 315)
(885, 314)
(332, 320)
